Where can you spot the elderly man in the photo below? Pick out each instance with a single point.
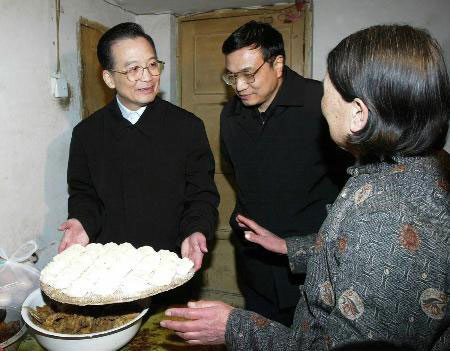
(140, 169)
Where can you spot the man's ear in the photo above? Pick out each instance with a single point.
(359, 117)
(108, 79)
(278, 65)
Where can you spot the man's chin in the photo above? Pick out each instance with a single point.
(147, 100)
(248, 102)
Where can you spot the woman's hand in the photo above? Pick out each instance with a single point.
(205, 324)
(261, 236)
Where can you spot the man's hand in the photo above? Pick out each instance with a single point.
(194, 248)
(261, 236)
(74, 233)
(206, 322)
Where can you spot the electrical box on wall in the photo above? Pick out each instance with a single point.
(59, 87)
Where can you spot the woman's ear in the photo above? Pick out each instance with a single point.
(278, 65)
(108, 79)
(359, 116)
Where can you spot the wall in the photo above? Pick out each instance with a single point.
(36, 128)
(335, 19)
(162, 29)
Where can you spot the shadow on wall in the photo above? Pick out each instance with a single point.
(55, 194)
(55, 180)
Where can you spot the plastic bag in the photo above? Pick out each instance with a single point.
(18, 278)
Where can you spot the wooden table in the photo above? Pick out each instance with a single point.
(151, 337)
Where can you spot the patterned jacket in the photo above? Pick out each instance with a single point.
(378, 270)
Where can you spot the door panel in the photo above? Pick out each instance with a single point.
(210, 114)
(207, 78)
(227, 200)
(94, 92)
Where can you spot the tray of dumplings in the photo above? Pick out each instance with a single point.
(104, 274)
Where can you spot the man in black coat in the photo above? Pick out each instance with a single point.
(275, 139)
(140, 169)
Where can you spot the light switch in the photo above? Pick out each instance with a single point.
(59, 87)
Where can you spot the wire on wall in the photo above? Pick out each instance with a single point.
(59, 85)
(57, 16)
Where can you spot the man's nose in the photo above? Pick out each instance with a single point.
(146, 75)
(241, 84)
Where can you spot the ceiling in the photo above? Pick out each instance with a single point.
(180, 7)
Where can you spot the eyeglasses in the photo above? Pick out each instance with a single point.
(247, 77)
(135, 72)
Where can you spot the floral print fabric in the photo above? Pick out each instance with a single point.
(378, 270)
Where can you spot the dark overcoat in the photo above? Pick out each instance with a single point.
(285, 175)
(150, 183)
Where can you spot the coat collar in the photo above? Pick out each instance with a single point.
(435, 164)
(118, 125)
(292, 89)
(289, 94)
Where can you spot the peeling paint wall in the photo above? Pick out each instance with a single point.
(36, 128)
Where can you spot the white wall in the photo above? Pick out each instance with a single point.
(36, 128)
(162, 29)
(335, 19)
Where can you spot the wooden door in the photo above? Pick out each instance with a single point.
(94, 92)
(203, 92)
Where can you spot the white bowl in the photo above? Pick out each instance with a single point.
(109, 340)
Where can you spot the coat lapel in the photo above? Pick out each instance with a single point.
(152, 117)
(118, 126)
(244, 117)
(290, 94)
(115, 124)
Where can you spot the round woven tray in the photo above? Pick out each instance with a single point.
(117, 297)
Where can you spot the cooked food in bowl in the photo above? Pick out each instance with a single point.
(112, 339)
(79, 322)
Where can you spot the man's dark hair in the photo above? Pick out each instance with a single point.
(399, 73)
(126, 30)
(256, 35)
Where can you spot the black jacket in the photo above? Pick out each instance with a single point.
(284, 177)
(148, 184)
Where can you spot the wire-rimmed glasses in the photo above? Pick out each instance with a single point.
(247, 77)
(135, 72)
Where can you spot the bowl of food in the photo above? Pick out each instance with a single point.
(106, 328)
(11, 328)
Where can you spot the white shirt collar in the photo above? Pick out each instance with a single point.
(132, 116)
